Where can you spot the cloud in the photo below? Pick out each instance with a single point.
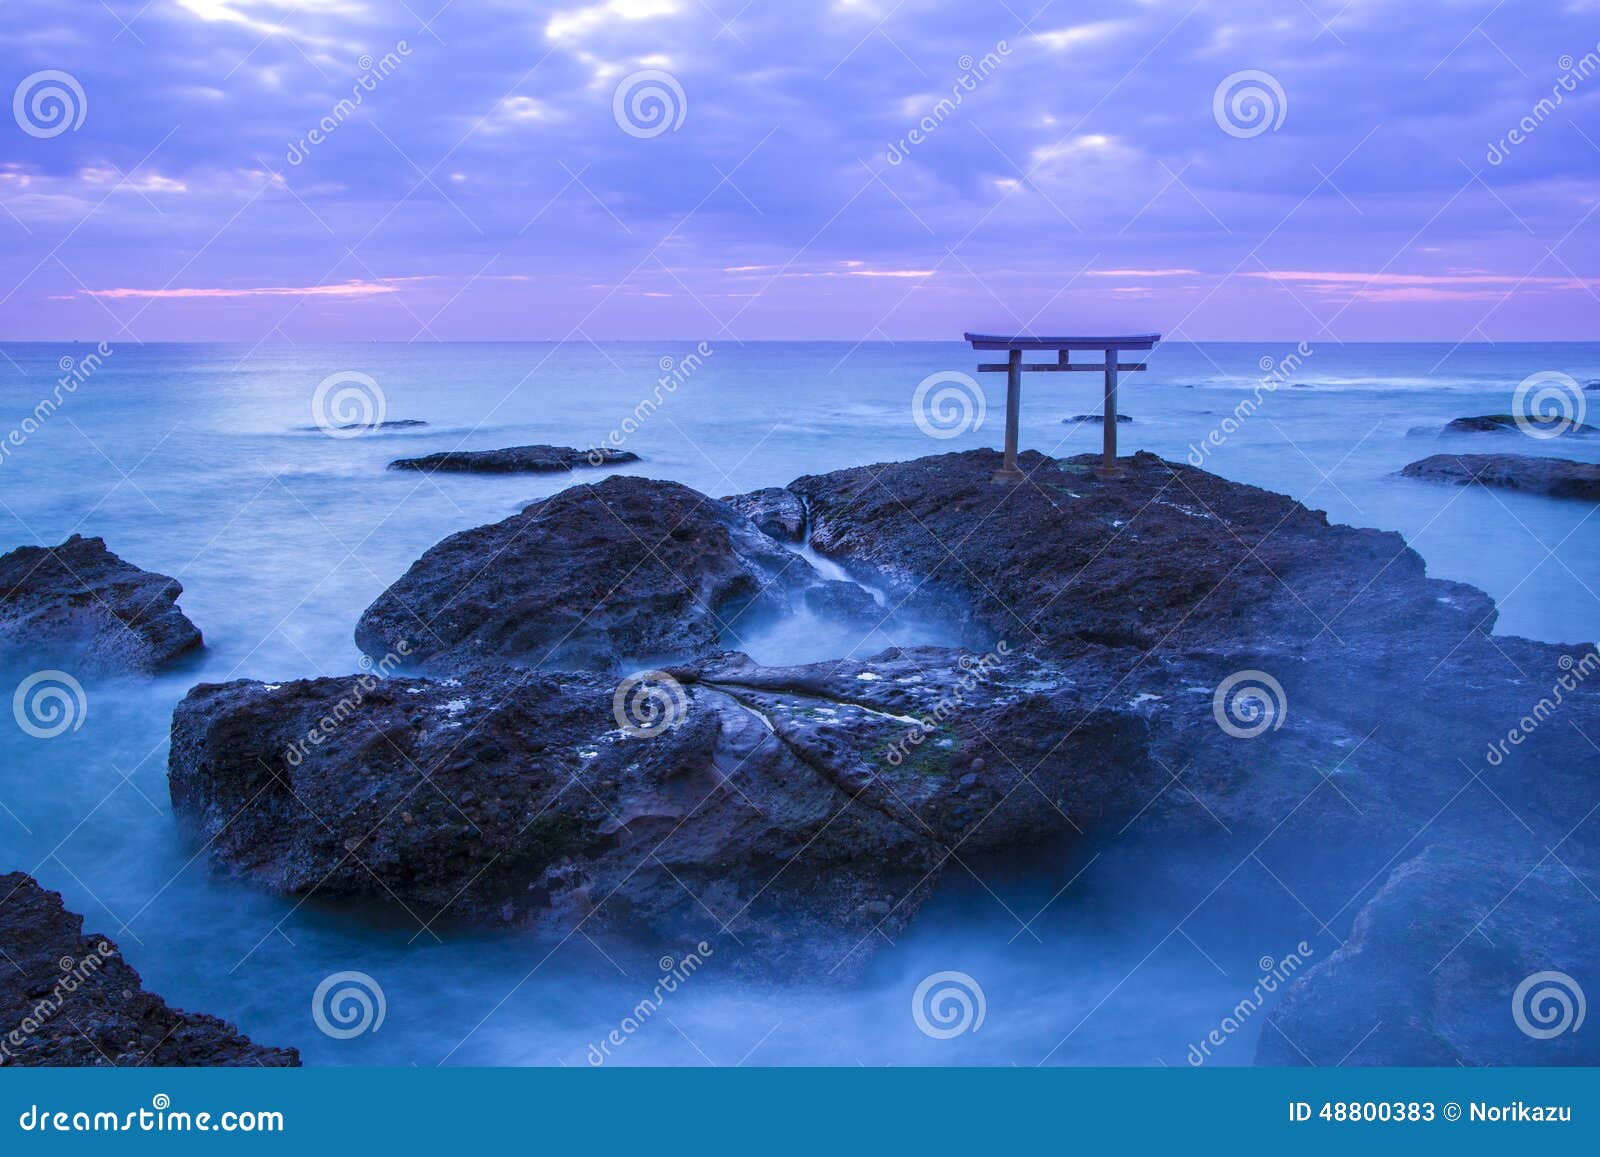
(345, 289)
(1092, 147)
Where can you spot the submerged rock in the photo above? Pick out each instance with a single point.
(1508, 423)
(775, 511)
(388, 424)
(70, 999)
(1555, 477)
(1097, 419)
(1461, 959)
(626, 569)
(81, 607)
(514, 460)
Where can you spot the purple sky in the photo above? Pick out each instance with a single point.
(487, 184)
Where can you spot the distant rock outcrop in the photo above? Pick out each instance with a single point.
(1554, 477)
(1509, 423)
(514, 460)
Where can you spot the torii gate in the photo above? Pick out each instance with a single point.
(1014, 367)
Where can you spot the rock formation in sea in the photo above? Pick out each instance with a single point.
(70, 999)
(80, 607)
(1460, 959)
(515, 460)
(1552, 477)
(1209, 660)
(775, 511)
(626, 569)
(1508, 423)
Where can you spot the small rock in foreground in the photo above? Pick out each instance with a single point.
(70, 999)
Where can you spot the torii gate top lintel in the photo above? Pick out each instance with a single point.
(1014, 367)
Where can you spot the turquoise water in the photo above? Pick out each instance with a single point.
(204, 462)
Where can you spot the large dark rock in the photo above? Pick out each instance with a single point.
(1432, 970)
(80, 607)
(514, 460)
(1554, 477)
(70, 999)
(1164, 557)
(1509, 424)
(775, 511)
(626, 569)
(518, 797)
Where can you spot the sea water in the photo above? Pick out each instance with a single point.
(207, 462)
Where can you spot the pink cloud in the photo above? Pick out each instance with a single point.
(345, 289)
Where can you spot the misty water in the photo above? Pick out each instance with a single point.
(203, 462)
